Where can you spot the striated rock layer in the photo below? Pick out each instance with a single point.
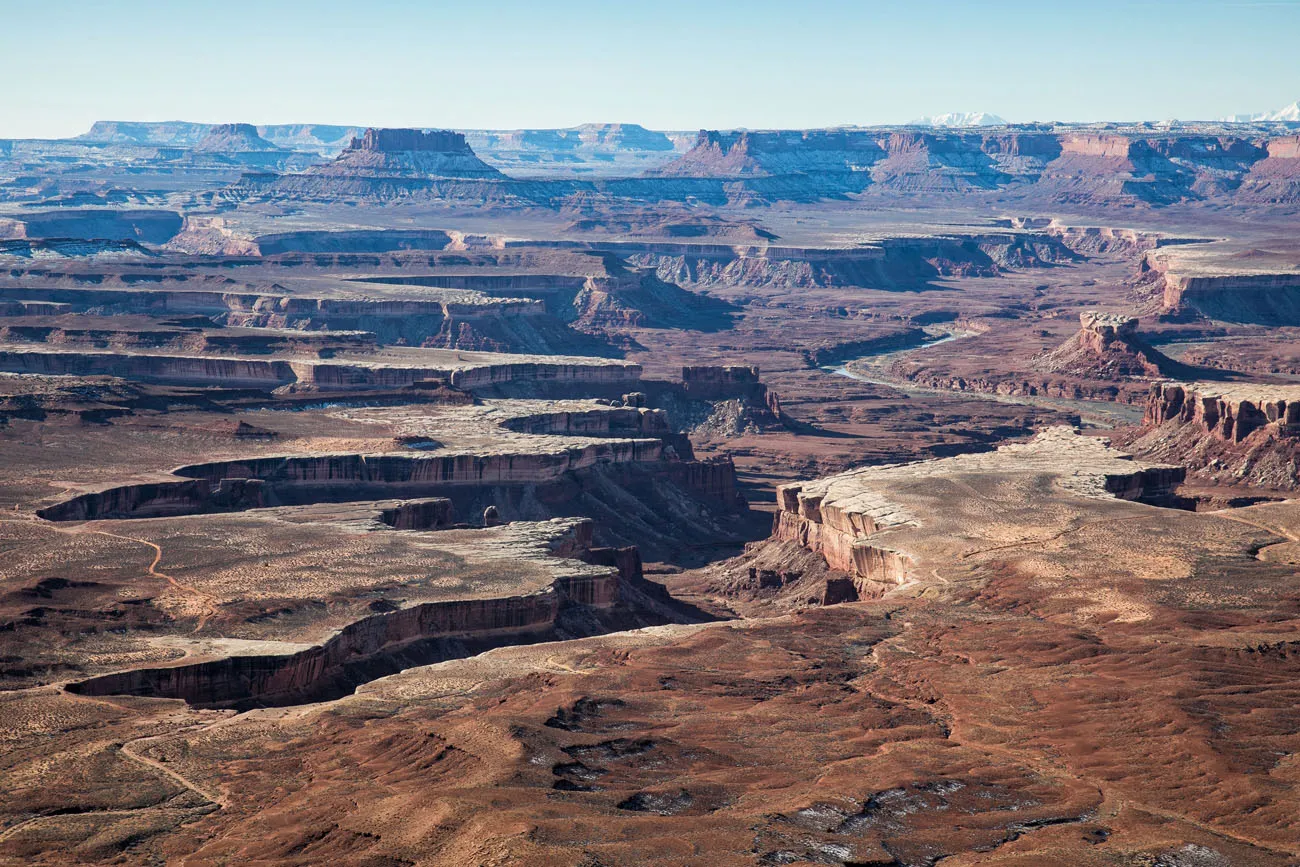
(849, 519)
(1230, 413)
(307, 374)
(1226, 435)
(588, 601)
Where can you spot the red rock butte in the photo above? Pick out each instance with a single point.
(396, 140)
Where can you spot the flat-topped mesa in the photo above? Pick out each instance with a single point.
(737, 382)
(712, 382)
(594, 591)
(398, 140)
(233, 138)
(1202, 282)
(854, 519)
(1228, 413)
(400, 154)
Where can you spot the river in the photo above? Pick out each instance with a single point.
(874, 368)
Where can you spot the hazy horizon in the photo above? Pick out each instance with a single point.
(676, 66)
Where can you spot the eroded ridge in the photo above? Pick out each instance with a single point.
(606, 593)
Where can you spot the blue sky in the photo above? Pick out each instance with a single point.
(667, 64)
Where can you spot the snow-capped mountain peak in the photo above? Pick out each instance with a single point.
(1290, 114)
(960, 119)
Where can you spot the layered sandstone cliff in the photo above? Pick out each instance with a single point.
(1205, 282)
(885, 263)
(1231, 435)
(445, 318)
(145, 225)
(858, 521)
(1231, 413)
(313, 374)
(596, 590)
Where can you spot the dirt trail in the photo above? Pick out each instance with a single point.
(125, 749)
(210, 601)
(1024, 542)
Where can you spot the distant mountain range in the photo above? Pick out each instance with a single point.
(1290, 114)
(960, 119)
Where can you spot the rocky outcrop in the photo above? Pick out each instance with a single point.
(1195, 285)
(1230, 413)
(1107, 347)
(641, 298)
(838, 531)
(741, 402)
(712, 382)
(233, 138)
(1247, 435)
(428, 514)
